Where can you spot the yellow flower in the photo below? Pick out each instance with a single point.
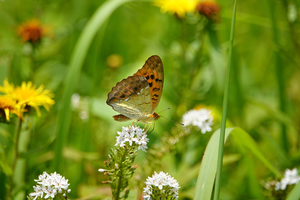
(180, 7)
(7, 106)
(32, 31)
(27, 95)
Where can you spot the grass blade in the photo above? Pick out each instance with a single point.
(295, 193)
(225, 104)
(77, 59)
(207, 172)
(206, 177)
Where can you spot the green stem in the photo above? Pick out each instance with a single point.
(225, 104)
(279, 74)
(120, 175)
(15, 159)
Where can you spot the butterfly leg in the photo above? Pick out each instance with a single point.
(149, 127)
(132, 124)
(145, 126)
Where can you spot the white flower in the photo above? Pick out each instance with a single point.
(132, 135)
(50, 185)
(290, 177)
(163, 182)
(81, 104)
(101, 170)
(75, 100)
(38, 192)
(200, 118)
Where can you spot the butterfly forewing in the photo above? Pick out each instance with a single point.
(154, 73)
(131, 97)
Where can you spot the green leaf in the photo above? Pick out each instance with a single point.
(206, 177)
(295, 193)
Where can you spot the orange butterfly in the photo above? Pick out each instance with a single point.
(136, 97)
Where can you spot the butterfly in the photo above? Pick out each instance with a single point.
(136, 97)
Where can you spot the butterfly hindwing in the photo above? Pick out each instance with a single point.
(131, 97)
(154, 73)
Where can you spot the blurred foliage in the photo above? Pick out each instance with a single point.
(264, 95)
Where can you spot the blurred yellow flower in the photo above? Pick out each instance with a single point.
(27, 95)
(179, 7)
(114, 60)
(32, 31)
(7, 106)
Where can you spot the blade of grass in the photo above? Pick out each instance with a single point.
(247, 141)
(207, 172)
(295, 193)
(279, 73)
(77, 59)
(224, 114)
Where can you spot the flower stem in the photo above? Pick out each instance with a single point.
(15, 159)
(279, 74)
(120, 175)
(225, 105)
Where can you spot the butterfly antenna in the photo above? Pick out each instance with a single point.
(164, 110)
(172, 120)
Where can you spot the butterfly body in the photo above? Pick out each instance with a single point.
(136, 97)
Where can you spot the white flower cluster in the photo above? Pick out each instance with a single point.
(49, 185)
(200, 118)
(132, 134)
(161, 181)
(290, 177)
(81, 104)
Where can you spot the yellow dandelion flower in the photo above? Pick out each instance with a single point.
(32, 31)
(7, 106)
(179, 7)
(27, 95)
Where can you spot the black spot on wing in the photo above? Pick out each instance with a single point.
(152, 76)
(156, 95)
(147, 77)
(156, 89)
(150, 84)
(158, 80)
(122, 96)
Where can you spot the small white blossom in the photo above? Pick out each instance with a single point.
(163, 182)
(290, 177)
(50, 185)
(132, 135)
(75, 100)
(200, 118)
(292, 13)
(101, 170)
(81, 104)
